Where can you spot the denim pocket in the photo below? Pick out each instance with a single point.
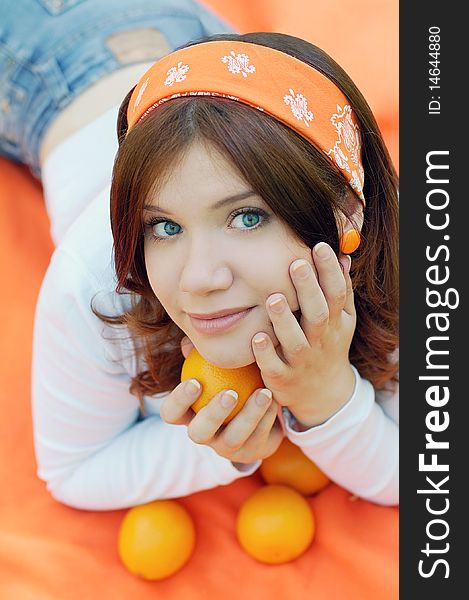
(58, 7)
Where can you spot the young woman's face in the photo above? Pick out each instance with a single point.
(214, 245)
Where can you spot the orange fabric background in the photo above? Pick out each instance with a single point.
(49, 551)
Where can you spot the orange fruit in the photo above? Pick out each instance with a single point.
(156, 539)
(243, 380)
(288, 465)
(275, 524)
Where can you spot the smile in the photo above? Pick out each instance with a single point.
(214, 326)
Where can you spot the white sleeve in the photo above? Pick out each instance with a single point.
(358, 447)
(92, 447)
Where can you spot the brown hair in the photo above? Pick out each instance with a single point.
(297, 181)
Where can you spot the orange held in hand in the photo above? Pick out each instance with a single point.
(289, 466)
(243, 380)
(156, 539)
(275, 524)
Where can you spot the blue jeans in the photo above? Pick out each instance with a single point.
(52, 50)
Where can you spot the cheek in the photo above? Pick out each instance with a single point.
(150, 268)
(161, 277)
(271, 271)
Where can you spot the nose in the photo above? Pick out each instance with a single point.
(205, 269)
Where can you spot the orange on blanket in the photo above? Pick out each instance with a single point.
(275, 524)
(288, 465)
(156, 539)
(243, 380)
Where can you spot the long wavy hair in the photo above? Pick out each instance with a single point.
(298, 182)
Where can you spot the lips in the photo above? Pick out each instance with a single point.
(219, 313)
(218, 324)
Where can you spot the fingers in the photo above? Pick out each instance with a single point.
(320, 297)
(258, 411)
(265, 439)
(349, 306)
(209, 420)
(254, 433)
(272, 367)
(311, 298)
(268, 426)
(325, 293)
(324, 289)
(331, 279)
(176, 408)
(210, 417)
(274, 439)
(287, 329)
(186, 346)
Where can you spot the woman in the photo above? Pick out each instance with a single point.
(99, 357)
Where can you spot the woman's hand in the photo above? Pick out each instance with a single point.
(309, 372)
(186, 346)
(253, 434)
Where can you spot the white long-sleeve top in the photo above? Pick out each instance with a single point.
(93, 447)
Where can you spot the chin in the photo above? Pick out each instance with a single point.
(228, 358)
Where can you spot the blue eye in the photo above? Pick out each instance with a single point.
(168, 227)
(251, 218)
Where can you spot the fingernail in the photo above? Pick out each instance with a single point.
(192, 387)
(277, 305)
(264, 397)
(229, 399)
(323, 250)
(301, 269)
(260, 341)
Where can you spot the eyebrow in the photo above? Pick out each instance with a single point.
(216, 206)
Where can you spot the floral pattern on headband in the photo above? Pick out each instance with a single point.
(238, 63)
(347, 131)
(176, 74)
(265, 79)
(348, 134)
(299, 106)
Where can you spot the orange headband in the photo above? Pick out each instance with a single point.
(271, 81)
